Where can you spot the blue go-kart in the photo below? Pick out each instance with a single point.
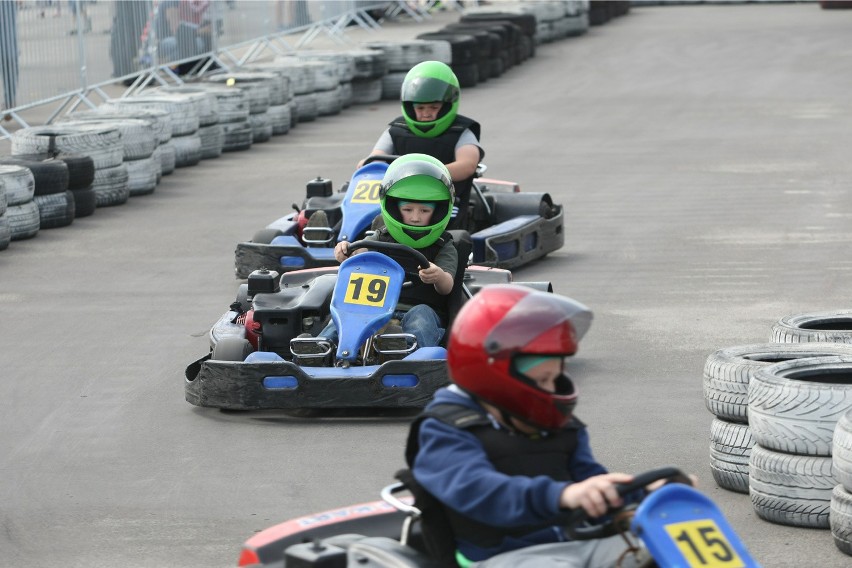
(508, 228)
(265, 353)
(676, 526)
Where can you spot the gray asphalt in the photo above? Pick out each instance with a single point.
(701, 153)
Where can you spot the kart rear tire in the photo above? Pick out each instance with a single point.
(265, 236)
(832, 327)
(790, 489)
(840, 519)
(231, 349)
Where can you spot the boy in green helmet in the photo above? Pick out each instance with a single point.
(430, 124)
(416, 201)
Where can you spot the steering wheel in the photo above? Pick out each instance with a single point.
(575, 525)
(393, 250)
(380, 158)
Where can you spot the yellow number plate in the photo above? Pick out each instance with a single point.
(366, 192)
(702, 544)
(367, 290)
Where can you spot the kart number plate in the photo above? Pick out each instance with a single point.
(366, 192)
(367, 290)
(702, 544)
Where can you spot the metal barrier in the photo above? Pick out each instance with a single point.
(65, 52)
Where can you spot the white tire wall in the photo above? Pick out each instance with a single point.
(730, 450)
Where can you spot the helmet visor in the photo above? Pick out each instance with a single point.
(427, 90)
(533, 315)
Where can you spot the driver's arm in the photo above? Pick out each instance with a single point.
(467, 158)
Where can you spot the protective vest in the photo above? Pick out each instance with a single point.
(441, 147)
(511, 453)
(418, 292)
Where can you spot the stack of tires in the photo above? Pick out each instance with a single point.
(403, 55)
(781, 431)
(209, 130)
(183, 119)
(468, 54)
(165, 150)
(56, 206)
(370, 66)
(303, 85)
(101, 142)
(520, 29)
(262, 89)
(326, 81)
(233, 104)
(277, 118)
(344, 65)
(139, 141)
(20, 217)
(602, 11)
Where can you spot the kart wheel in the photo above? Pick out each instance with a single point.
(728, 371)
(231, 349)
(840, 519)
(265, 236)
(730, 449)
(790, 489)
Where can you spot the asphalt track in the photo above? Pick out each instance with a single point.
(702, 155)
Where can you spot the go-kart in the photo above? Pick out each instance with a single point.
(508, 228)
(265, 353)
(675, 526)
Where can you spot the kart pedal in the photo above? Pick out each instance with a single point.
(310, 349)
(391, 343)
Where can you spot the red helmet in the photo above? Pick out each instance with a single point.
(503, 322)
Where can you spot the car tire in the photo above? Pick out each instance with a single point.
(50, 176)
(85, 202)
(231, 349)
(101, 142)
(5, 232)
(840, 519)
(833, 327)
(18, 182)
(55, 210)
(23, 220)
(728, 371)
(794, 406)
(141, 176)
(730, 450)
(110, 186)
(790, 489)
(841, 450)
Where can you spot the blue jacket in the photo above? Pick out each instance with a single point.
(453, 466)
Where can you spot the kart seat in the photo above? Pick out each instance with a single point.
(382, 551)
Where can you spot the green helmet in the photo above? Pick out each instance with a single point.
(416, 178)
(428, 82)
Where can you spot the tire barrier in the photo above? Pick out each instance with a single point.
(103, 156)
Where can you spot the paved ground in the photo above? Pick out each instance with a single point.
(701, 153)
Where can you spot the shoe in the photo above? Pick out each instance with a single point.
(321, 233)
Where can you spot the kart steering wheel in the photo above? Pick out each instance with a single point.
(575, 523)
(392, 249)
(380, 158)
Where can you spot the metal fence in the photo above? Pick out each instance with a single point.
(64, 52)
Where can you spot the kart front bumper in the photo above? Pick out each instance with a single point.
(285, 385)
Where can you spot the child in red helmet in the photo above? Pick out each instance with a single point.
(501, 449)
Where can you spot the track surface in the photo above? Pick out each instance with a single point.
(702, 156)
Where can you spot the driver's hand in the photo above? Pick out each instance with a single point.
(693, 480)
(430, 275)
(341, 251)
(595, 495)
